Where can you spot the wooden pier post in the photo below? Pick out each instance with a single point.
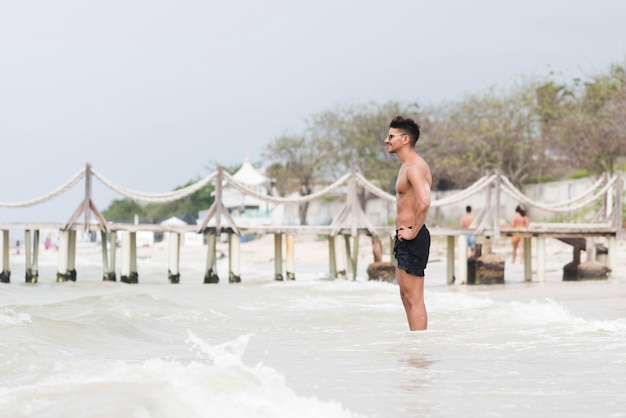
(234, 255)
(291, 257)
(612, 256)
(129, 258)
(173, 273)
(332, 258)
(108, 266)
(528, 266)
(32, 256)
(5, 275)
(63, 265)
(450, 260)
(352, 255)
(278, 257)
(210, 275)
(125, 270)
(340, 259)
(71, 255)
(541, 258)
(462, 247)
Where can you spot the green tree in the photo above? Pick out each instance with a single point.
(123, 210)
(192, 204)
(593, 132)
(493, 130)
(299, 157)
(354, 135)
(553, 101)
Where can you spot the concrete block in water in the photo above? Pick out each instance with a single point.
(489, 269)
(382, 271)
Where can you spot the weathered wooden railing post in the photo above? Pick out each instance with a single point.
(528, 266)
(619, 201)
(87, 199)
(341, 268)
(173, 273)
(5, 275)
(462, 257)
(210, 275)
(71, 255)
(63, 266)
(234, 255)
(332, 257)
(278, 257)
(496, 216)
(450, 244)
(617, 222)
(32, 256)
(218, 210)
(129, 258)
(541, 258)
(291, 257)
(352, 255)
(108, 267)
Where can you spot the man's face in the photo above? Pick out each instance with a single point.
(394, 140)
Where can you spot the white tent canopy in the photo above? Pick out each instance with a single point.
(251, 177)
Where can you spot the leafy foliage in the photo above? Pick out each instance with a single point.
(124, 210)
(536, 130)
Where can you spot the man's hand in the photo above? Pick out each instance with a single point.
(407, 233)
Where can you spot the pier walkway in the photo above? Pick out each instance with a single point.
(343, 233)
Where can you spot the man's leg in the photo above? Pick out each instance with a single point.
(412, 295)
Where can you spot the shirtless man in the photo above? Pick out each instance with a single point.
(412, 244)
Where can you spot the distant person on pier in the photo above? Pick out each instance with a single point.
(466, 223)
(518, 221)
(412, 244)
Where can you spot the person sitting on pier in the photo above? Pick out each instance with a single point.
(518, 221)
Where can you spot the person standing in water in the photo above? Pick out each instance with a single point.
(412, 244)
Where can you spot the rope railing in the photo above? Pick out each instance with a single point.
(568, 206)
(478, 186)
(155, 197)
(277, 199)
(597, 191)
(49, 196)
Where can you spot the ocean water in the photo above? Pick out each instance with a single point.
(313, 347)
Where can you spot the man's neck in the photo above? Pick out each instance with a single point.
(406, 155)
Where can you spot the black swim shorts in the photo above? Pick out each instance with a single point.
(412, 255)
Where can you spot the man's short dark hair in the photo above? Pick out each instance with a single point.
(407, 125)
(468, 208)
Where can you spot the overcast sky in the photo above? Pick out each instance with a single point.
(152, 92)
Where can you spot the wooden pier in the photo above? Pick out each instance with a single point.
(343, 249)
(343, 234)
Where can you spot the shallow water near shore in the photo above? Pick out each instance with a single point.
(311, 347)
